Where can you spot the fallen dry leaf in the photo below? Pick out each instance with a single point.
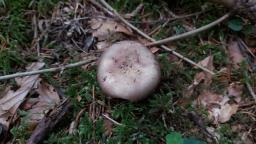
(201, 76)
(103, 45)
(226, 111)
(219, 108)
(103, 28)
(235, 54)
(207, 98)
(207, 62)
(235, 90)
(46, 100)
(10, 102)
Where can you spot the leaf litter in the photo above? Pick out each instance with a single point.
(219, 106)
(10, 102)
(47, 98)
(103, 28)
(204, 77)
(34, 96)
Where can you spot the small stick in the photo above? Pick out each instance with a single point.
(251, 90)
(115, 122)
(134, 12)
(21, 74)
(190, 33)
(151, 39)
(48, 123)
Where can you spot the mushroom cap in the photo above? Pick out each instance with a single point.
(128, 70)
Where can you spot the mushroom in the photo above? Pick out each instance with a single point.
(128, 70)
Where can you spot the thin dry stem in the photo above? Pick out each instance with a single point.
(115, 122)
(190, 33)
(60, 68)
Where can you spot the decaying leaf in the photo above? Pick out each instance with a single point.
(201, 76)
(207, 62)
(46, 100)
(226, 111)
(219, 106)
(235, 90)
(102, 45)
(207, 98)
(235, 54)
(103, 28)
(10, 102)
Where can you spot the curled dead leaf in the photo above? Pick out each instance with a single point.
(219, 106)
(235, 90)
(103, 45)
(226, 111)
(103, 28)
(10, 102)
(201, 76)
(46, 100)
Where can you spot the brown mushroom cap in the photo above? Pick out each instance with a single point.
(128, 70)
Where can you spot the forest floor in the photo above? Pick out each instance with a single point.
(190, 105)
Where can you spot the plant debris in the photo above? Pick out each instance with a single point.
(11, 100)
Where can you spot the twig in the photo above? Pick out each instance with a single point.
(190, 33)
(115, 122)
(74, 124)
(21, 74)
(251, 90)
(246, 47)
(36, 40)
(158, 28)
(151, 39)
(93, 114)
(166, 19)
(100, 7)
(134, 12)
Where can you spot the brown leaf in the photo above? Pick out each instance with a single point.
(207, 62)
(154, 49)
(103, 29)
(103, 45)
(199, 77)
(11, 101)
(235, 54)
(207, 98)
(47, 93)
(235, 90)
(218, 106)
(46, 100)
(226, 111)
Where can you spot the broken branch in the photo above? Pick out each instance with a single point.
(190, 33)
(49, 122)
(60, 68)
